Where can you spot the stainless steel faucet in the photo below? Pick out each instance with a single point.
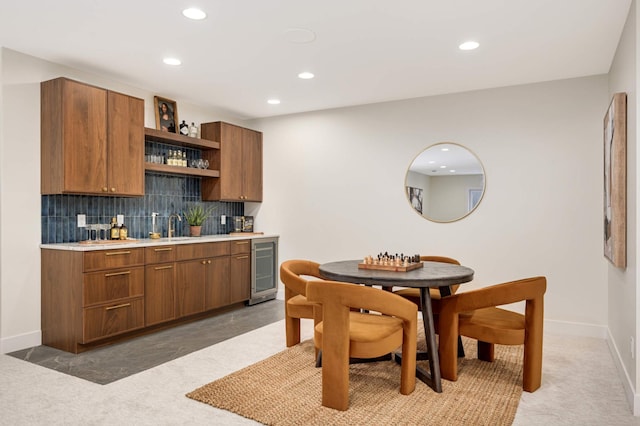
(170, 229)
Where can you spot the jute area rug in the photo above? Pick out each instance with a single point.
(286, 389)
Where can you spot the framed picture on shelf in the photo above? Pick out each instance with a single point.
(166, 114)
(615, 181)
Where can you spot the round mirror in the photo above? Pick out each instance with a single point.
(445, 182)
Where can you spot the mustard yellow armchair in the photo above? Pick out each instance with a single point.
(292, 275)
(343, 333)
(475, 314)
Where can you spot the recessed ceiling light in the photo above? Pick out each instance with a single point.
(452, 171)
(469, 45)
(444, 149)
(306, 75)
(299, 35)
(194, 13)
(172, 61)
(443, 167)
(273, 101)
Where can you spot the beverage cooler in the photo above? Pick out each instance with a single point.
(264, 269)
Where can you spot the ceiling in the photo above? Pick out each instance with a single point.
(363, 51)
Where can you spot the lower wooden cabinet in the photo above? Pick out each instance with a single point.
(94, 296)
(190, 276)
(240, 271)
(159, 293)
(104, 321)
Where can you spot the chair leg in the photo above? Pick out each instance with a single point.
(448, 349)
(408, 366)
(292, 328)
(532, 363)
(486, 351)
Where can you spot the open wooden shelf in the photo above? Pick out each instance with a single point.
(178, 140)
(163, 168)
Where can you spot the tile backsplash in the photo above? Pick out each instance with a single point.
(164, 194)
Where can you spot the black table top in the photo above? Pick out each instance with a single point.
(433, 274)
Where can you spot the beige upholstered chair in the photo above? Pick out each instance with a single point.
(292, 275)
(344, 333)
(475, 314)
(413, 294)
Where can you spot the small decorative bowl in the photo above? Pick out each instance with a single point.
(154, 235)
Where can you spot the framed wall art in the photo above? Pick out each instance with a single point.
(615, 181)
(415, 197)
(166, 114)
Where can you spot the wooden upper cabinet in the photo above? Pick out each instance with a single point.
(239, 161)
(125, 134)
(92, 140)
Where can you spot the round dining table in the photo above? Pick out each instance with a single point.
(431, 275)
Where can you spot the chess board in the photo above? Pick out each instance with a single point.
(392, 268)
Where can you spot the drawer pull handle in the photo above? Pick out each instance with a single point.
(158, 268)
(116, 253)
(204, 262)
(124, 305)
(242, 242)
(113, 274)
(163, 249)
(242, 257)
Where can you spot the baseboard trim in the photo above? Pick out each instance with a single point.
(632, 398)
(21, 341)
(566, 328)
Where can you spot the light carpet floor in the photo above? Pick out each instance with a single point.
(580, 387)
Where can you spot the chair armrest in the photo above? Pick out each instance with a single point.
(362, 297)
(291, 271)
(496, 295)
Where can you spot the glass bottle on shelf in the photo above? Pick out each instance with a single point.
(184, 128)
(193, 130)
(115, 230)
(184, 158)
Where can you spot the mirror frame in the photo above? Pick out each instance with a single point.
(484, 183)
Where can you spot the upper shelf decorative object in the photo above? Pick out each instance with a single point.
(166, 114)
(615, 181)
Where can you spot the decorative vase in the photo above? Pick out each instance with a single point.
(194, 230)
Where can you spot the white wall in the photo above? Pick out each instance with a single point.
(622, 283)
(20, 76)
(334, 187)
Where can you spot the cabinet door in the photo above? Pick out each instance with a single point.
(217, 283)
(73, 137)
(159, 293)
(190, 279)
(231, 162)
(252, 165)
(240, 278)
(125, 159)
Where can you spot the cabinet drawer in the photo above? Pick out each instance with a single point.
(112, 285)
(109, 259)
(196, 251)
(160, 254)
(115, 318)
(240, 247)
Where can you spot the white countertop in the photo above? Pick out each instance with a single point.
(147, 242)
